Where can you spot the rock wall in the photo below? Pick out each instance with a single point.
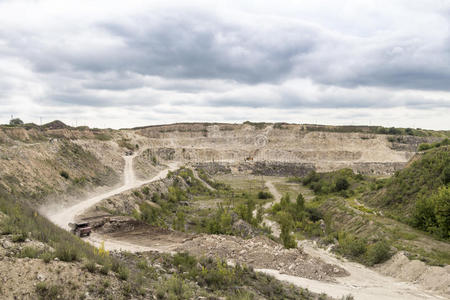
(292, 145)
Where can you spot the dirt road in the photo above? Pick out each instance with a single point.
(363, 283)
(67, 215)
(274, 226)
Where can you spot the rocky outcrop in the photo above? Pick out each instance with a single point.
(294, 148)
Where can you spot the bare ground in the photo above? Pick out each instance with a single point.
(261, 252)
(317, 266)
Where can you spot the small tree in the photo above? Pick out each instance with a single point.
(286, 224)
(300, 203)
(441, 201)
(341, 184)
(16, 122)
(285, 201)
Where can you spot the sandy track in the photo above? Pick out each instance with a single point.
(363, 283)
(67, 215)
(274, 226)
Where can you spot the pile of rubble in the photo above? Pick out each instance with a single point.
(262, 253)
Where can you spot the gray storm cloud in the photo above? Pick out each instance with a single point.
(194, 60)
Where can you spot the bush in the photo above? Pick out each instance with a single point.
(123, 273)
(67, 252)
(341, 184)
(264, 195)
(287, 225)
(19, 237)
(16, 122)
(295, 179)
(146, 190)
(432, 213)
(149, 214)
(105, 269)
(90, 266)
(30, 252)
(220, 222)
(48, 291)
(351, 246)
(173, 288)
(378, 253)
(424, 146)
(311, 177)
(46, 256)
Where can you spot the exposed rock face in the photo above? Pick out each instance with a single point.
(292, 149)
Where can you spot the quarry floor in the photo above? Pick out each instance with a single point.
(342, 278)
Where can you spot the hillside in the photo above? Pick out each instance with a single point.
(421, 179)
(43, 261)
(216, 205)
(300, 147)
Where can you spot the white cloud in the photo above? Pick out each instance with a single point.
(119, 64)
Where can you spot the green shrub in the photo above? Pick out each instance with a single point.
(351, 246)
(142, 264)
(48, 291)
(146, 190)
(341, 184)
(46, 256)
(287, 225)
(310, 178)
(245, 211)
(90, 266)
(295, 179)
(149, 214)
(432, 213)
(264, 195)
(15, 122)
(30, 252)
(378, 252)
(123, 273)
(105, 269)
(424, 147)
(179, 221)
(19, 237)
(174, 288)
(67, 252)
(220, 222)
(156, 197)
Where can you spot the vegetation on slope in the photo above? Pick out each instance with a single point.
(419, 194)
(141, 276)
(181, 207)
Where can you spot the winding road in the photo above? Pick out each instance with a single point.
(363, 283)
(67, 215)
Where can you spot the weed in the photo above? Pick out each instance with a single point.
(67, 252)
(46, 256)
(19, 237)
(30, 252)
(48, 291)
(123, 273)
(90, 267)
(105, 269)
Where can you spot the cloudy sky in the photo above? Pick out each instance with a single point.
(132, 63)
